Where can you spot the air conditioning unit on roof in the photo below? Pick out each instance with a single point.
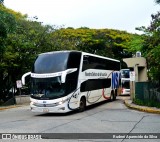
(138, 54)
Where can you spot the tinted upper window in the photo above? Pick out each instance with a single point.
(51, 62)
(90, 62)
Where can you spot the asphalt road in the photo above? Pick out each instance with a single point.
(108, 117)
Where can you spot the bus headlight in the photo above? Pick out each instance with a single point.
(63, 101)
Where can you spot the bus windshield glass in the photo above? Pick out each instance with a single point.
(125, 84)
(47, 88)
(124, 73)
(51, 62)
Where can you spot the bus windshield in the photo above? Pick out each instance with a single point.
(51, 62)
(47, 88)
(125, 84)
(124, 73)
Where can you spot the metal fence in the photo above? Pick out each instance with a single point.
(147, 91)
(14, 96)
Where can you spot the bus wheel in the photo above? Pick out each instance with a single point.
(115, 95)
(82, 104)
(112, 96)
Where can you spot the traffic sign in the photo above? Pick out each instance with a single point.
(132, 76)
(19, 83)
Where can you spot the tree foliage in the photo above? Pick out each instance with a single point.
(21, 40)
(105, 42)
(151, 45)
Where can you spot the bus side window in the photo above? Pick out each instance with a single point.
(85, 63)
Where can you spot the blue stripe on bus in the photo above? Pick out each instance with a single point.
(115, 80)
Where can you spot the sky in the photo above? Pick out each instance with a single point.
(97, 14)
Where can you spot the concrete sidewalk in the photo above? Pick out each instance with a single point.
(131, 105)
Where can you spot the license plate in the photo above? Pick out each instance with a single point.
(45, 110)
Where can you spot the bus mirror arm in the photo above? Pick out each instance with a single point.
(63, 77)
(24, 76)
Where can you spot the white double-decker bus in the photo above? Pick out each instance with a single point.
(63, 81)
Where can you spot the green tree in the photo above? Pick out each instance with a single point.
(151, 46)
(135, 43)
(30, 39)
(105, 42)
(7, 26)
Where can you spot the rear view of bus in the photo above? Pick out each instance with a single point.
(125, 81)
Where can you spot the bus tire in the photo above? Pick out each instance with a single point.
(115, 95)
(82, 104)
(112, 96)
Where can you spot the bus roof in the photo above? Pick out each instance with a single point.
(125, 69)
(83, 53)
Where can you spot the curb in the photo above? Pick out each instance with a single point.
(9, 107)
(129, 104)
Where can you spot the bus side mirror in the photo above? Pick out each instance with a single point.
(63, 77)
(24, 76)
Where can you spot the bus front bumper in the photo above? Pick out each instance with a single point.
(56, 109)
